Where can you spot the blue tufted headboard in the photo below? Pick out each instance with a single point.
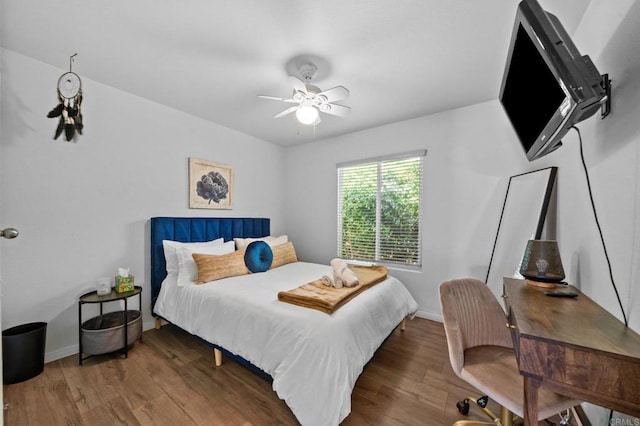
(196, 229)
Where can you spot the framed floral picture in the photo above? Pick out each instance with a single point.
(210, 185)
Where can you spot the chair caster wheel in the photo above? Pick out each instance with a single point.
(483, 401)
(463, 407)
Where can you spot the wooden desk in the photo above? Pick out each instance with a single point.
(573, 347)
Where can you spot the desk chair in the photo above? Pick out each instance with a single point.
(481, 353)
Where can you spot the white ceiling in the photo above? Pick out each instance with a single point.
(400, 59)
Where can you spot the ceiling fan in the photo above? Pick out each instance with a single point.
(310, 100)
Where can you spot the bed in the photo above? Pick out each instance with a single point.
(313, 358)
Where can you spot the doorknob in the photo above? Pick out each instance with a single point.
(9, 233)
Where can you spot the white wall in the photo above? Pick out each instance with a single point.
(1, 328)
(83, 207)
(472, 151)
(609, 34)
(471, 154)
(612, 153)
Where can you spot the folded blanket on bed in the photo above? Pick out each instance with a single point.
(316, 295)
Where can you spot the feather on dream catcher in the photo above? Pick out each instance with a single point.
(70, 97)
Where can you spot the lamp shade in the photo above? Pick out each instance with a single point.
(541, 261)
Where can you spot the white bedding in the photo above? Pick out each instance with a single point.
(313, 358)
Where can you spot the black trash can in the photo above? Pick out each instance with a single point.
(23, 352)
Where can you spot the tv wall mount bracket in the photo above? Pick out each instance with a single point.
(605, 103)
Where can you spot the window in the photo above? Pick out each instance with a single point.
(379, 209)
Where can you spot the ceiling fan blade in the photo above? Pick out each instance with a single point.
(335, 109)
(335, 94)
(286, 111)
(298, 85)
(275, 98)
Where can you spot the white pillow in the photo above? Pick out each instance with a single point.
(272, 240)
(187, 268)
(171, 255)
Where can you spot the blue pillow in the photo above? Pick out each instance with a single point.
(258, 256)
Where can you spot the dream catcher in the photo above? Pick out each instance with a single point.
(70, 97)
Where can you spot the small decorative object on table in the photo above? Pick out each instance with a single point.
(124, 281)
(103, 286)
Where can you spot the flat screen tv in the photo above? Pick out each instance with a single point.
(547, 86)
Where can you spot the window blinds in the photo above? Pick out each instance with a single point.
(379, 209)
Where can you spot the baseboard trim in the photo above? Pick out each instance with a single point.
(429, 315)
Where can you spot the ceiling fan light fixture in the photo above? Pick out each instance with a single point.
(307, 114)
(310, 101)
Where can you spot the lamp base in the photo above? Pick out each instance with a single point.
(540, 284)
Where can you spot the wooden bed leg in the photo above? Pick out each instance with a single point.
(403, 324)
(217, 354)
(158, 323)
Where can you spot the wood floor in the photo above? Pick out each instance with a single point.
(169, 379)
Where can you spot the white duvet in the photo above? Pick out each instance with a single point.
(314, 358)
